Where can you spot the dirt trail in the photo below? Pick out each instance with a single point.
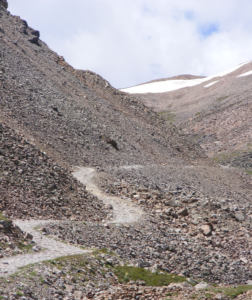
(124, 210)
(53, 249)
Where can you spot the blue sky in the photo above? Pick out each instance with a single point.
(133, 41)
(207, 30)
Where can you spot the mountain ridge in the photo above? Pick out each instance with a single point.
(214, 114)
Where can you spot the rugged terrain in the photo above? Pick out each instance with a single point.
(33, 186)
(102, 196)
(215, 113)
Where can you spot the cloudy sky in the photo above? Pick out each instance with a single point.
(133, 41)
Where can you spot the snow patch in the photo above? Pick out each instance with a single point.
(172, 85)
(245, 74)
(210, 84)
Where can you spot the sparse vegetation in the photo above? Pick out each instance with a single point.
(126, 273)
(168, 115)
(233, 292)
(23, 246)
(225, 157)
(249, 146)
(249, 172)
(200, 113)
(209, 296)
(221, 98)
(2, 217)
(103, 250)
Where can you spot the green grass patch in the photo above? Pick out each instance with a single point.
(233, 292)
(249, 146)
(198, 113)
(167, 115)
(27, 247)
(73, 260)
(209, 296)
(126, 273)
(2, 217)
(226, 157)
(221, 98)
(248, 172)
(103, 250)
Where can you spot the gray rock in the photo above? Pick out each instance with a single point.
(143, 264)
(35, 32)
(171, 203)
(206, 229)
(34, 40)
(36, 248)
(183, 212)
(239, 216)
(191, 280)
(28, 236)
(6, 224)
(4, 3)
(200, 286)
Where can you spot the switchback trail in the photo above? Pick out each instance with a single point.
(53, 248)
(124, 210)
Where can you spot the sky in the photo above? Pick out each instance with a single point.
(129, 42)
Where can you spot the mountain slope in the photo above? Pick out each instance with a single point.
(76, 116)
(215, 111)
(33, 186)
(67, 111)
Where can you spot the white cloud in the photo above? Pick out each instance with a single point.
(133, 41)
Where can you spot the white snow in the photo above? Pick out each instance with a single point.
(171, 85)
(212, 83)
(245, 74)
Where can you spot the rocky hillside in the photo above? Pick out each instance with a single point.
(78, 118)
(13, 240)
(215, 112)
(74, 115)
(33, 186)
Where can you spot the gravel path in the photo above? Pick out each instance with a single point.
(54, 249)
(124, 210)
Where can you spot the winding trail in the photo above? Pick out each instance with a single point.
(124, 210)
(53, 248)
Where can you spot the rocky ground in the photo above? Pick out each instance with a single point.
(187, 241)
(33, 186)
(229, 183)
(103, 275)
(14, 241)
(85, 277)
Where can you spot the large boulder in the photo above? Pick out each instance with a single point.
(4, 3)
